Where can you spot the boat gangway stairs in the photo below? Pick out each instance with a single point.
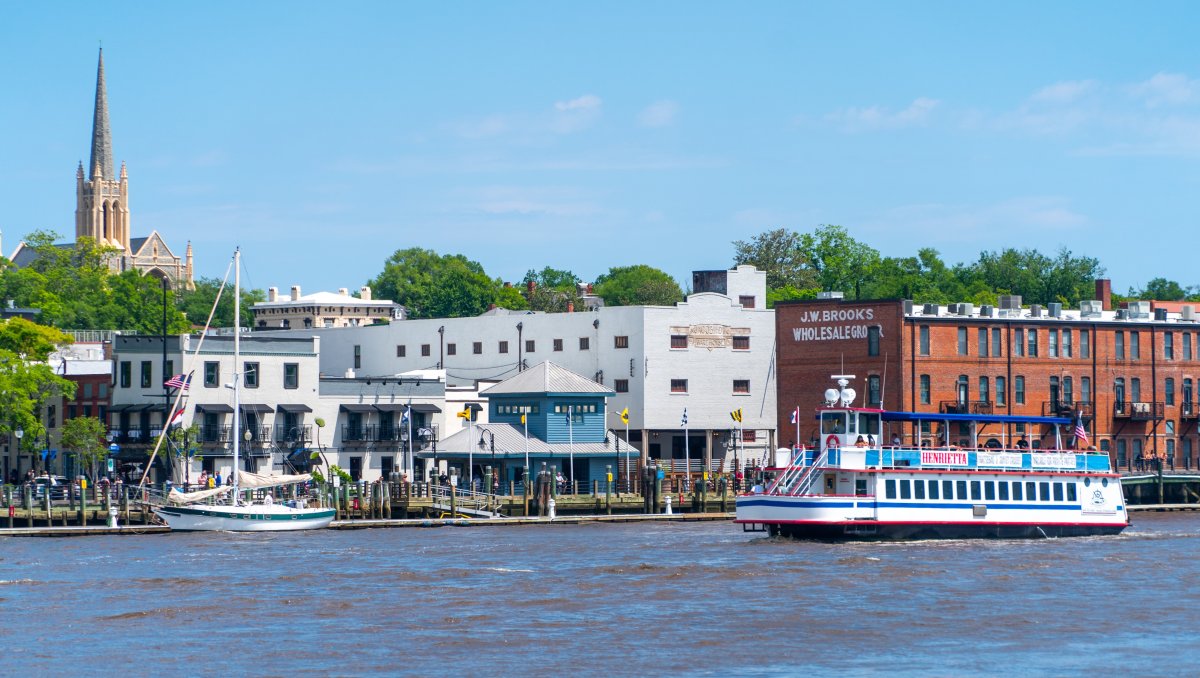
(797, 479)
(465, 502)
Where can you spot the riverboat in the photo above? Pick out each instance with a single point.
(853, 488)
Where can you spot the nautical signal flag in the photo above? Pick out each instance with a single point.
(684, 422)
(625, 416)
(736, 415)
(466, 412)
(796, 415)
(522, 418)
(182, 381)
(176, 418)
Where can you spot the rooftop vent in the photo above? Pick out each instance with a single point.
(1122, 314)
(833, 294)
(908, 306)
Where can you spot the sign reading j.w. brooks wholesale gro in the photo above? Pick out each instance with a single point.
(834, 323)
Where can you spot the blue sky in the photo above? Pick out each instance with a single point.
(322, 138)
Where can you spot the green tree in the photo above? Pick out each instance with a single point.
(778, 253)
(430, 285)
(27, 383)
(551, 277)
(196, 304)
(1161, 289)
(179, 449)
(840, 262)
(638, 285)
(137, 302)
(84, 436)
(552, 291)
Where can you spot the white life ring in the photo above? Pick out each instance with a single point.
(831, 441)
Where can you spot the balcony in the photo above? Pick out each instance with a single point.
(967, 407)
(1189, 410)
(213, 434)
(1066, 408)
(358, 433)
(1139, 411)
(294, 434)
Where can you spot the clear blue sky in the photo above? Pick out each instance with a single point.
(321, 137)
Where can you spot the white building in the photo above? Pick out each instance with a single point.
(709, 355)
(323, 309)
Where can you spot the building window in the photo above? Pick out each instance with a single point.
(1019, 342)
(963, 390)
(529, 345)
(679, 341)
(1169, 391)
(1001, 393)
(425, 350)
(985, 391)
(1135, 346)
(451, 349)
(962, 341)
(1066, 343)
(584, 343)
(558, 344)
(1052, 345)
(147, 376)
(103, 392)
(741, 385)
(250, 375)
(982, 342)
(741, 343)
(1019, 390)
(1187, 393)
(291, 375)
(1032, 347)
(621, 341)
(1119, 344)
(1119, 391)
(400, 350)
(923, 340)
(477, 347)
(1187, 345)
(924, 389)
(873, 340)
(1085, 344)
(1135, 390)
(1168, 345)
(87, 390)
(1055, 393)
(749, 435)
(1068, 390)
(996, 350)
(502, 347)
(1085, 390)
(679, 386)
(746, 300)
(212, 374)
(873, 390)
(621, 385)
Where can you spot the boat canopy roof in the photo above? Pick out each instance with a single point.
(981, 418)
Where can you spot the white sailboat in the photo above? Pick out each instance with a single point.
(182, 511)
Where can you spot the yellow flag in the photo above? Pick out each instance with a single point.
(466, 413)
(522, 418)
(625, 416)
(736, 415)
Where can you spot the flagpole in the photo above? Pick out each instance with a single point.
(796, 416)
(571, 442)
(409, 462)
(628, 459)
(470, 454)
(525, 421)
(687, 454)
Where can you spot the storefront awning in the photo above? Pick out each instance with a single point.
(295, 409)
(214, 409)
(257, 409)
(357, 408)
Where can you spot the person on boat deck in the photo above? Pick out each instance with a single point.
(218, 478)
(210, 482)
(860, 442)
(1022, 443)
(895, 441)
(203, 479)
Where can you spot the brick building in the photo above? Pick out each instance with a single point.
(1129, 373)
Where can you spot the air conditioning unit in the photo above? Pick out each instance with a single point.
(987, 311)
(1035, 311)
(1160, 314)
(1055, 309)
(966, 309)
(1122, 314)
(1139, 309)
(1091, 309)
(1188, 313)
(835, 294)
(908, 307)
(931, 309)
(1010, 301)
(1141, 408)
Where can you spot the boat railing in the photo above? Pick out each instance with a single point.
(804, 486)
(796, 478)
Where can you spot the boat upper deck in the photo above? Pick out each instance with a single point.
(966, 459)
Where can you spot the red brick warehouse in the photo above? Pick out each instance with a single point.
(1130, 372)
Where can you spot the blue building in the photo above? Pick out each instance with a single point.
(546, 414)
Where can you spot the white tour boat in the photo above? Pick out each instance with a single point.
(854, 488)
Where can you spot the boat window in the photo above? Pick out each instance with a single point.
(868, 424)
(918, 489)
(1031, 491)
(933, 489)
(905, 489)
(1044, 491)
(1058, 491)
(890, 489)
(1071, 492)
(961, 489)
(1003, 490)
(947, 489)
(833, 422)
(1017, 491)
(989, 490)
(976, 490)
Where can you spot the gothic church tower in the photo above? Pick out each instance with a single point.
(102, 200)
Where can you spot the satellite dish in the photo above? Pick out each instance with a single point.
(848, 396)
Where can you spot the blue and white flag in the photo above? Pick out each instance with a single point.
(684, 422)
(404, 416)
(796, 415)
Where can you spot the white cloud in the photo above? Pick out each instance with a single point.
(872, 118)
(575, 114)
(1033, 216)
(1064, 92)
(1165, 89)
(584, 103)
(528, 201)
(658, 114)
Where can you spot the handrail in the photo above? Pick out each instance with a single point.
(807, 480)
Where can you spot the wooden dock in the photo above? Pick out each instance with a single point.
(532, 520)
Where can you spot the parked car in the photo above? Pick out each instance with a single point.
(57, 487)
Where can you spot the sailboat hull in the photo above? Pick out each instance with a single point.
(252, 518)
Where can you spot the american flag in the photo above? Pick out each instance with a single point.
(1080, 430)
(179, 381)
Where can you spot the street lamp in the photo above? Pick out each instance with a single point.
(19, 433)
(492, 440)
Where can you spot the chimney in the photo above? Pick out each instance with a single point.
(570, 307)
(589, 288)
(491, 307)
(272, 293)
(343, 291)
(530, 286)
(507, 285)
(295, 293)
(364, 293)
(1104, 293)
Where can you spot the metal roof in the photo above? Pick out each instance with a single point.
(510, 442)
(546, 377)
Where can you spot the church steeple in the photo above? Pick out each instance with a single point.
(102, 155)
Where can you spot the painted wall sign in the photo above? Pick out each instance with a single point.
(834, 324)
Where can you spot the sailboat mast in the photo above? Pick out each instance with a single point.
(237, 352)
